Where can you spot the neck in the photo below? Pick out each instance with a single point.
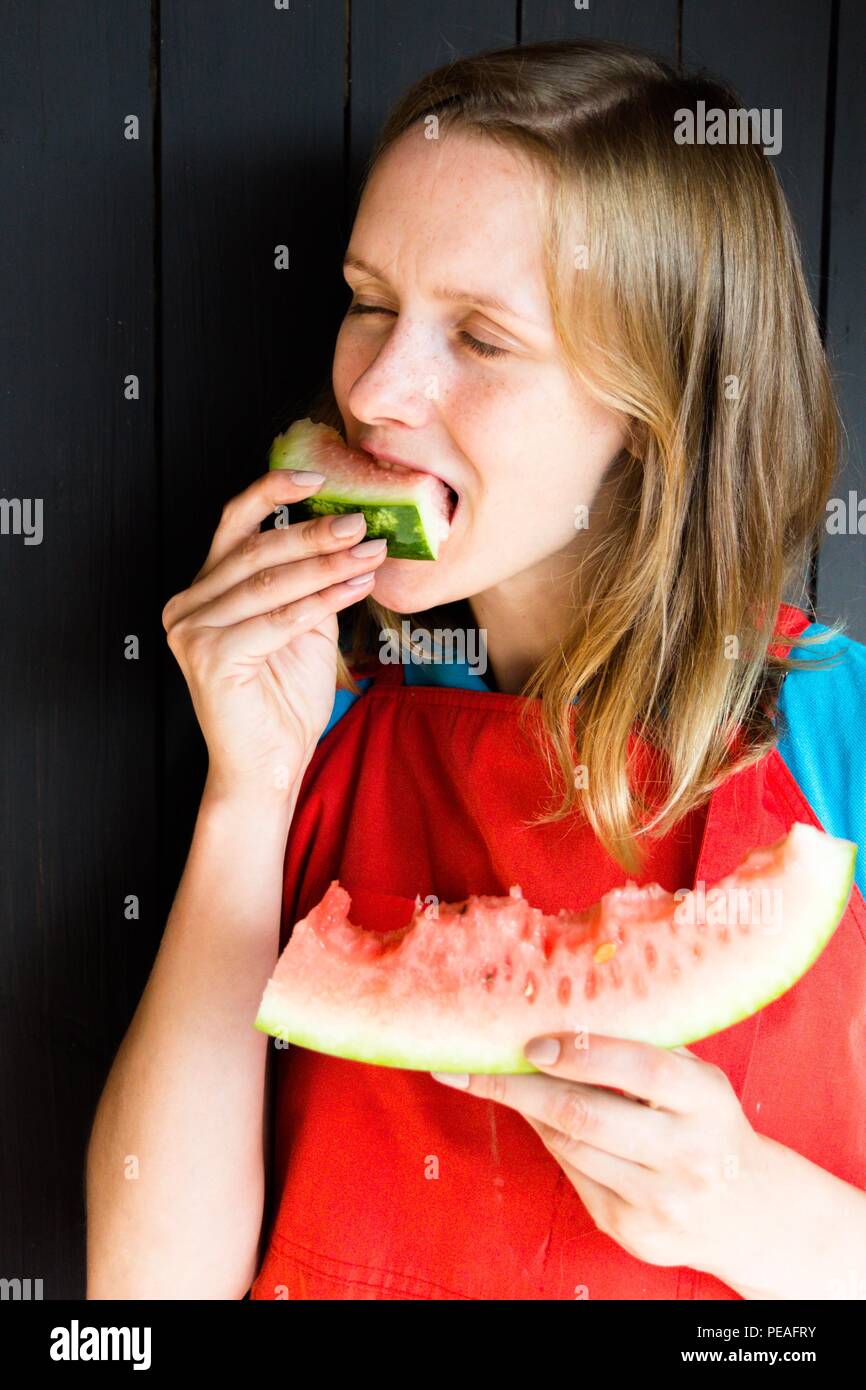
(525, 618)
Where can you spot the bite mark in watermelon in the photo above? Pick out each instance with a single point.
(412, 510)
(464, 986)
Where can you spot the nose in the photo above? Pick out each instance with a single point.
(404, 378)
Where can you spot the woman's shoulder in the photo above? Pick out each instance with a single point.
(823, 735)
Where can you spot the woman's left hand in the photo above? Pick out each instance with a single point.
(672, 1170)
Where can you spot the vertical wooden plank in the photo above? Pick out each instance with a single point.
(776, 54)
(252, 159)
(78, 741)
(649, 24)
(393, 43)
(842, 561)
(783, 62)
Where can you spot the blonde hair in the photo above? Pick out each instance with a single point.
(692, 319)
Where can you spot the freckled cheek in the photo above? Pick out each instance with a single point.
(487, 425)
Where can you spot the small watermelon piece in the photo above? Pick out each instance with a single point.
(411, 510)
(464, 988)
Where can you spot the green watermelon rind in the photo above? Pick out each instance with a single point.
(399, 522)
(365, 1048)
(363, 1052)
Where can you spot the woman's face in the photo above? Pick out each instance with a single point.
(523, 445)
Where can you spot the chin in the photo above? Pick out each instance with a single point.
(410, 586)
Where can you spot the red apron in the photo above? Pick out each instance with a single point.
(390, 1185)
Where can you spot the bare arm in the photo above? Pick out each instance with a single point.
(175, 1167)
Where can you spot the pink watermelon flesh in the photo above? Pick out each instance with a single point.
(465, 985)
(412, 510)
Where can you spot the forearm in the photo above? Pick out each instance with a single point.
(813, 1249)
(175, 1166)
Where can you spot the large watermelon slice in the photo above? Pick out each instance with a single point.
(412, 510)
(464, 986)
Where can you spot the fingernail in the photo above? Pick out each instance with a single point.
(452, 1078)
(371, 547)
(305, 478)
(362, 578)
(543, 1050)
(345, 525)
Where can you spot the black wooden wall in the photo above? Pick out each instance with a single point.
(153, 257)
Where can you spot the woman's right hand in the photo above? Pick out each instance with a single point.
(256, 635)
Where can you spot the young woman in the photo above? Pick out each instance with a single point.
(600, 338)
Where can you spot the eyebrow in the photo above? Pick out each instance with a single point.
(489, 301)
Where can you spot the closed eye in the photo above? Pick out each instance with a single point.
(474, 344)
